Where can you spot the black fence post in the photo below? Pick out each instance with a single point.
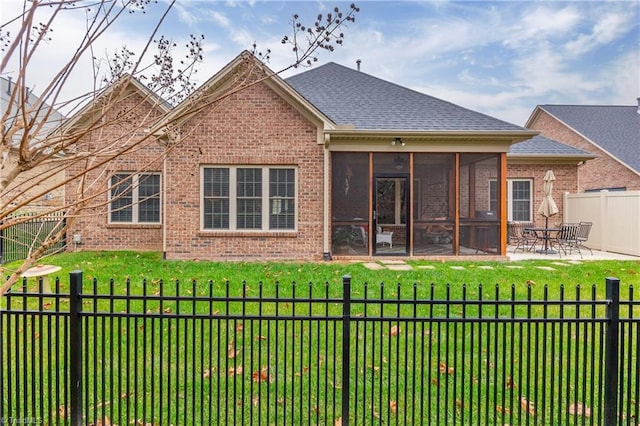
(346, 349)
(611, 352)
(75, 347)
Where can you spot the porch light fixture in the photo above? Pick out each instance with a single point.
(397, 141)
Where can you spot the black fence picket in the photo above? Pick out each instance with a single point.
(212, 353)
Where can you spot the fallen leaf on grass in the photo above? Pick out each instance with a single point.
(444, 369)
(501, 410)
(63, 411)
(578, 409)
(262, 375)
(527, 405)
(208, 372)
(232, 351)
(374, 368)
(393, 406)
(304, 370)
(235, 371)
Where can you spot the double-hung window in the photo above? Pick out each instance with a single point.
(519, 199)
(134, 198)
(248, 198)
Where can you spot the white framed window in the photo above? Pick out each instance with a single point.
(249, 198)
(519, 199)
(134, 198)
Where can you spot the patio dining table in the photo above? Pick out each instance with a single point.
(547, 235)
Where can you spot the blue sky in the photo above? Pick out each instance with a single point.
(499, 58)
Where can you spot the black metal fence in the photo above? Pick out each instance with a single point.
(212, 353)
(17, 241)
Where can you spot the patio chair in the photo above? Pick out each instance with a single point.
(360, 235)
(566, 238)
(521, 236)
(582, 236)
(384, 237)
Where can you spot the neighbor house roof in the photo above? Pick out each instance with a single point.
(41, 110)
(353, 98)
(540, 147)
(614, 129)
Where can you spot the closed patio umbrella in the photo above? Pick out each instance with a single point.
(548, 207)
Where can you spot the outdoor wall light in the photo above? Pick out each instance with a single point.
(397, 141)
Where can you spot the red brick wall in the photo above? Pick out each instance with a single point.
(92, 222)
(601, 172)
(566, 181)
(255, 126)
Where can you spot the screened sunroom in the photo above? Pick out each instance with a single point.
(416, 203)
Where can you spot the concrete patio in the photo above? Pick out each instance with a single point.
(586, 255)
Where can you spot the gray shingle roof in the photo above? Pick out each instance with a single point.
(616, 129)
(351, 97)
(54, 119)
(541, 146)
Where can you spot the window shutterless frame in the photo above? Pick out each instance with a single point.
(519, 199)
(248, 198)
(135, 198)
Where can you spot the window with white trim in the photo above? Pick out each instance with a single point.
(519, 199)
(134, 198)
(248, 198)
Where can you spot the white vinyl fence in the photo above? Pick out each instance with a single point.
(615, 217)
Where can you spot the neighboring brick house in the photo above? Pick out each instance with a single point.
(38, 187)
(527, 163)
(610, 132)
(331, 162)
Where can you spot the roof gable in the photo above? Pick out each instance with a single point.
(349, 97)
(124, 86)
(242, 72)
(615, 129)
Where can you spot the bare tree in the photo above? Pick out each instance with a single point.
(33, 151)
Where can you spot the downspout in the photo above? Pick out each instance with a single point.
(164, 208)
(326, 253)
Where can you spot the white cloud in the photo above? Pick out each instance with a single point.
(623, 77)
(218, 18)
(608, 28)
(186, 15)
(499, 58)
(544, 21)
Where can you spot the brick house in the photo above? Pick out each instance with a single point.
(117, 218)
(329, 163)
(610, 132)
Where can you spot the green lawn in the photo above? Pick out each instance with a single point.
(402, 372)
(150, 266)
